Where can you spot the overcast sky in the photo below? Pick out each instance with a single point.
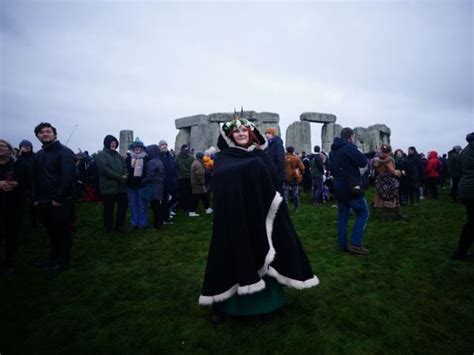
(107, 66)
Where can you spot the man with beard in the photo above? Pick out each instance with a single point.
(52, 192)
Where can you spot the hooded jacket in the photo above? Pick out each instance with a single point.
(434, 165)
(155, 172)
(112, 169)
(345, 160)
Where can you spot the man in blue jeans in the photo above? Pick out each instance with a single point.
(346, 160)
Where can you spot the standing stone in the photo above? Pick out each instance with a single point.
(183, 137)
(126, 138)
(203, 136)
(298, 135)
(328, 132)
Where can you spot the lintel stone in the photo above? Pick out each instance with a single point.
(318, 117)
(190, 121)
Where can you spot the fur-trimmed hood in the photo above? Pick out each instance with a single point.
(224, 142)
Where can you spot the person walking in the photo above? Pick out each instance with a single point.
(466, 196)
(113, 185)
(52, 192)
(346, 160)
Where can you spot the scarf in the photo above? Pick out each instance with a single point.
(137, 163)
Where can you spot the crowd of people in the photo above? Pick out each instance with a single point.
(246, 169)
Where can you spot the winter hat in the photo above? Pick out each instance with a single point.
(271, 130)
(136, 143)
(162, 142)
(27, 143)
(109, 139)
(199, 155)
(457, 147)
(385, 148)
(470, 137)
(184, 148)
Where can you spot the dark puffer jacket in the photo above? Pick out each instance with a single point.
(466, 167)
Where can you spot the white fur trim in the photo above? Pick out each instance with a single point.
(314, 281)
(253, 288)
(271, 215)
(208, 300)
(231, 143)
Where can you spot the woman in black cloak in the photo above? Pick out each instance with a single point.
(254, 249)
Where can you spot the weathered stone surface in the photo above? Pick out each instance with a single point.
(381, 127)
(370, 139)
(203, 136)
(328, 132)
(317, 117)
(227, 116)
(189, 121)
(268, 117)
(126, 138)
(298, 135)
(183, 137)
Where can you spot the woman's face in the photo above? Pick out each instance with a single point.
(4, 150)
(241, 137)
(399, 154)
(137, 150)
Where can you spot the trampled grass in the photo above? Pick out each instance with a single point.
(137, 294)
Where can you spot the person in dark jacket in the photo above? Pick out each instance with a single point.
(12, 198)
(401, 165)
(137, 191)
(466, 196)
(184, 160)
(276, 152)
(414, 171)
(52, 191)
(112, 181)
(346, 160)
(453, 171)
(155, 178)
(170, 192)
(317, 173)
(25, 161)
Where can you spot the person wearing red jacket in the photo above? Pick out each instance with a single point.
(432, 174)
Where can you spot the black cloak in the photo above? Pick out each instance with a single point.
(252, 233)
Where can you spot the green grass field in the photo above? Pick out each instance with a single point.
(138, 293)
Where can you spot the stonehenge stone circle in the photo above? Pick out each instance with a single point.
(201, 131)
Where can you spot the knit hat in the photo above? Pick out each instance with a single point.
(199, 155)
(470, 137)
(271, 130)
(136, 143)
(162, 142)
(109, 139)
(457, 147)
(385, 148)
(25, 142)
(184, 148)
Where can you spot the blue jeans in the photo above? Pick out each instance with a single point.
(138, 207)
(359, 206)
(317, 188)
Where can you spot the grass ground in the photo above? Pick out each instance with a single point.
(137, 294)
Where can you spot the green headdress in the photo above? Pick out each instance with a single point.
(237, 122)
